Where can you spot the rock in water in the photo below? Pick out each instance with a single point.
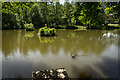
(52, 74)
(74, 56)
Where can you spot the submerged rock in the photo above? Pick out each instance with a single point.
(52, 74)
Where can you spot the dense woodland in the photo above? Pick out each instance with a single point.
(93, 15)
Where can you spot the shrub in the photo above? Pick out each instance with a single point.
(53, 31)
(41, 31)
(47, 31)
(29, 27)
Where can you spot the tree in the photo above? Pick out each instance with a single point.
(36, 16)
(9, 16)
(113, 8)
(92, 14)
(69, 12)
(44, 12)
(15, 14)
(78, 8)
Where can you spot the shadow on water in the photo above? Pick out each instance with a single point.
(11, 69)
(110, 67)
(80, 73)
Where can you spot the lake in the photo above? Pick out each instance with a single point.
(97, 53)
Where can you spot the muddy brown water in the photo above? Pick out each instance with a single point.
(97, 53)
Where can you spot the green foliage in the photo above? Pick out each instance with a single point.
(92, 15)
(56, 15)
(35, 15)
(52, 31)
(113, 8)
(15, 14)
(9, 21)
(47, 31)
(29, 27)
(41, 31)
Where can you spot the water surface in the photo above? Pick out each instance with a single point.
(97, 53)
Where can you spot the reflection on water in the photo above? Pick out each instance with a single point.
(46, 39)
(96, 50)
(29, 34)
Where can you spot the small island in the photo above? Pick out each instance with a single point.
(45, 31)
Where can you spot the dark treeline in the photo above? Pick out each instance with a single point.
(91, 14)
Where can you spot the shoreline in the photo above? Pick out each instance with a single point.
(109, 27)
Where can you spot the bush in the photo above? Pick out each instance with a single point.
(29, 27)
(52, 31)
(47, 31)
(41, 31)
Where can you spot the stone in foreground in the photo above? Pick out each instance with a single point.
(57, 74)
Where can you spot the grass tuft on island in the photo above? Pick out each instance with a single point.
(29, 27)
(44, 31)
